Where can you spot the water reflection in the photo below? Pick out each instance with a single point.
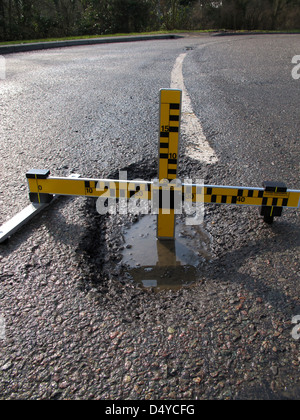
(169, 264)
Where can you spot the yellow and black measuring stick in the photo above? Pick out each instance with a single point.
(167, 191)
(273, 205)
(169, 131)
(164, 193)
(42, 187)
(272, 198)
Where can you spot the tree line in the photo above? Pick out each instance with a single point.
(33, 19)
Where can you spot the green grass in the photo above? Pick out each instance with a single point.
(70, 38)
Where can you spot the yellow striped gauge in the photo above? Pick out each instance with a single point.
(213, 194)
(246, 196)
(169, 131)
(89, 188)
(166, 225)
(170, 112)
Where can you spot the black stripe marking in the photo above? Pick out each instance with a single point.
(209, 191)
(260, 194)
(164, 145)
(282, 189)
(265, 201)
(172, 171)
(174, 130)
(213, 198)
(174, 106)
(172, 199)
(240, 193)
(172, 161)
(174, 117)
(250, 193)
(275, 202)
(234, 200)
(285, 202)
(224, 199)
(164, 156)
(164, 134)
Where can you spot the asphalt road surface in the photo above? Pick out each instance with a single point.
(73, 324)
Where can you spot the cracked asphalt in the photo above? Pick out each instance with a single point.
(73, 323)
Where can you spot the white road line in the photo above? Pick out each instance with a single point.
(197, 146)
(2, 327)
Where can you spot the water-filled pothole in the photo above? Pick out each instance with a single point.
(169, 264)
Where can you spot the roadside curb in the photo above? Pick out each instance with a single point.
(232, 33)
(10, 49)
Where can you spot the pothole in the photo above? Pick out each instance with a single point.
(124, 248)
(169, 264)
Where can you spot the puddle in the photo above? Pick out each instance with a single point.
(169, 264)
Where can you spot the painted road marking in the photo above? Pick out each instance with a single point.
(198, 146)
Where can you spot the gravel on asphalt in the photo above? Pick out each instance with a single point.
(77, 327)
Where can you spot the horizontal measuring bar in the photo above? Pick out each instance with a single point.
(14, 224)
(105, 188)
(40, 187)
(248, 196)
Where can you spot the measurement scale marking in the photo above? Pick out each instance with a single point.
(170, 107)
(79, 187)
(174, 118)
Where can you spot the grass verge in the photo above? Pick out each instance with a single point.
(70, 38)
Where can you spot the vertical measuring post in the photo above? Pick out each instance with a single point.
(169, 129)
